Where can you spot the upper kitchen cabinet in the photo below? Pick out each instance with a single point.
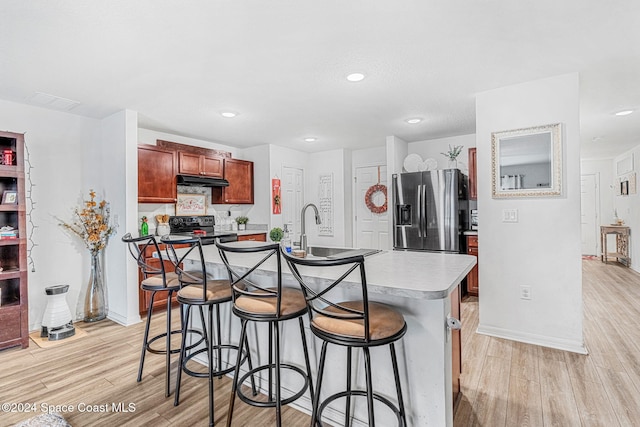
(473, 189)
(239, 173)
(198, 164)
(157, 168)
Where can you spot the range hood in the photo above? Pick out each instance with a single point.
(202, 181)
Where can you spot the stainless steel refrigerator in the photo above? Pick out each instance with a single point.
(430, 210)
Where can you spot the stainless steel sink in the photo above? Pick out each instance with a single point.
(333, 253)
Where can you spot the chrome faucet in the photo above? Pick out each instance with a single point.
(303, 236)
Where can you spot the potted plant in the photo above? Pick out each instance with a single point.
(276, 234)
(242, 222)
(452, 155)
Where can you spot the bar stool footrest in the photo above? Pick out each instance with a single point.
(225, 371)
(272, 403)
(361, 393)
(173, 350)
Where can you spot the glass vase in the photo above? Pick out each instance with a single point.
(453, 164)
(95, 300)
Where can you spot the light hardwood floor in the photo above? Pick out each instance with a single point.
(504, 383)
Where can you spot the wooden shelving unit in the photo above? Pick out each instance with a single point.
(14, 312)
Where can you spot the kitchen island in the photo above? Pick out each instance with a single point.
(421, 286)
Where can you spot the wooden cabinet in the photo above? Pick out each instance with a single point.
(160, 301)
(258, 237)
(239, 173)
(622, 243)
(14, 310)
(473, 188)
(156, 174)
(195, 164)
(472, 278)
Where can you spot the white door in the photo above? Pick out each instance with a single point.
(292, 199)
(371, 229)
(589, 191)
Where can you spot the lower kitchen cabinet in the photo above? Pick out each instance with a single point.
(473, 287)
(258, 237)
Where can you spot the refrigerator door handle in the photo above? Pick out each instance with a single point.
(419, 209)
(423, 207)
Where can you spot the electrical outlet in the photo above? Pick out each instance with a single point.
(525, 292)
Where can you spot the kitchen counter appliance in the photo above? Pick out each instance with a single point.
(430, 210)
(201, 226)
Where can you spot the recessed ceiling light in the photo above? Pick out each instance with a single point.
(624, 113)
(228, 114)
(355, 77)
(310, 139)
(414, 120)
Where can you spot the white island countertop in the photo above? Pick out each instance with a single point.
(409, 274)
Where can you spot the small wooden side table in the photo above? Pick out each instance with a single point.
(622, 243)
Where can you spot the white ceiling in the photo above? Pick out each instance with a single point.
(281, 64)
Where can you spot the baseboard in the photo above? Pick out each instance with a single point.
(122, 320)
(535, 339)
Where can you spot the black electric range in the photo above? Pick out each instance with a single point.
(201, 226)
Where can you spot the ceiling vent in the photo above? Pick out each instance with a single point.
(53, 102)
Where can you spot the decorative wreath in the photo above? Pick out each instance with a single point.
(368, 198)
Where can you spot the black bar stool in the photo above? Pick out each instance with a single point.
(358, 323)
(256, 301)
(155, 279)
(198, 289)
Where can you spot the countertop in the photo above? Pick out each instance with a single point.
(410, 274)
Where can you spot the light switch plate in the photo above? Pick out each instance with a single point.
(510, 215)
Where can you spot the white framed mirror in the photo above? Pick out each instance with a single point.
(527, 162)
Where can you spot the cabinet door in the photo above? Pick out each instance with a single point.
(473, 189)
(473, 287)
(188, 163)
(156, 175)
(239, 173)
(258, 237)
(212, 166)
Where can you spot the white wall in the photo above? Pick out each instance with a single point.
(542, 250)
(628, 208)
(56, 143)
(119, 176)
(433, 149)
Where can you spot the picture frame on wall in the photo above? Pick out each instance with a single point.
(9, 197)
(191, 204)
